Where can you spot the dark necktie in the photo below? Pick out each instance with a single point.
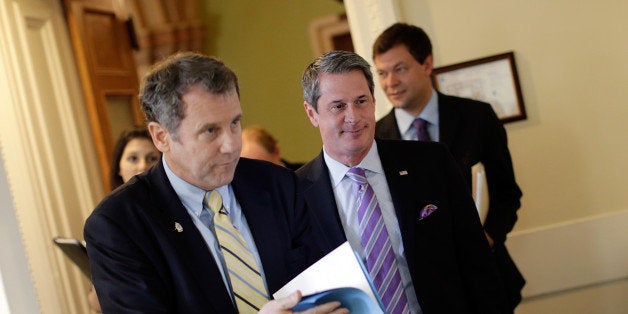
(380, 257)
(420, 126)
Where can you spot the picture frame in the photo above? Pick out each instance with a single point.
(329, 33)
(492, 79)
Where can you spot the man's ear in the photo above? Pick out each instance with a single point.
(311, 113)
(428, 64)
(161, 136)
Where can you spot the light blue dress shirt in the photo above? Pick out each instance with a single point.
(429, 114)
(344, 191)
(192, 199)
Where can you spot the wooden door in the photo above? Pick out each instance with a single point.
(102, 45)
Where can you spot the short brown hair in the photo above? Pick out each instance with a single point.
(413, 37)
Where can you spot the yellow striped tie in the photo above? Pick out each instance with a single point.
(246, 280)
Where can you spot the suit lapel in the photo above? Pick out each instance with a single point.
(448, 118)
(403, 183)
(320, 200)
(189, 245)
(257, 207)
(387, 127)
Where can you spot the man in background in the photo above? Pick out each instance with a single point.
(258, 143)
(402, 205)
(470, 129)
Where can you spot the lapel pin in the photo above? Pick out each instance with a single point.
(177, 227)
(403, 173)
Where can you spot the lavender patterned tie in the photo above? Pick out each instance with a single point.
(380, 258)
(420, 126)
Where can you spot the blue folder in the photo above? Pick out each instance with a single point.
(353, 299)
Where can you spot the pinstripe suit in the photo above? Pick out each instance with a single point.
(449, 259)
(473, 133)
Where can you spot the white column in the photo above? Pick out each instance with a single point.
(367, 19)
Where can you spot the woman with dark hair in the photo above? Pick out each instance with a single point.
(133, 154)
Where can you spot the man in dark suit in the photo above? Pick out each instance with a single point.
(157, 244)
(258, 143)
(428, 218)
(469, 128)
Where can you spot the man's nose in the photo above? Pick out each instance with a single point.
(350, 113)
(391, 80)
(231, 142)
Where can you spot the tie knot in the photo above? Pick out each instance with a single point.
(420, 127)
(357, 174)
(419, 123)
(213, 200)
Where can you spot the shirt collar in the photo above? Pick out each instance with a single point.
(192, 196)
(429, 114)
(337, 170)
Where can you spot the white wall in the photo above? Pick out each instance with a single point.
(570, 155)
(16, 288)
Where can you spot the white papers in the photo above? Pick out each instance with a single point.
(338, 269)
(479, 187)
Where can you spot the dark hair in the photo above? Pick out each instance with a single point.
(165, 84)
(413, 37)
(334, 62)
(115, 180)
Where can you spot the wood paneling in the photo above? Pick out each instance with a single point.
(105, 60)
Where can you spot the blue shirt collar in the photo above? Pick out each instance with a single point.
(429, 114)
(192, 196)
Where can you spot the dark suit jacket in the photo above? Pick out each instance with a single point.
(291, 165)
(473, 134)
(448, 256)
(141, 264)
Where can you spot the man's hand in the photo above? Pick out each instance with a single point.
(92, 299)
(284, 305)
(491, 243)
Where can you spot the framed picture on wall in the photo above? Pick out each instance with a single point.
(492, 79)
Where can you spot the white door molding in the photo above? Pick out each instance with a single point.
(50, 163)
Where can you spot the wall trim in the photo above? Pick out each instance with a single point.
(572, 254)
(48, 161)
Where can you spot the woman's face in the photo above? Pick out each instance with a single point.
(139, 154)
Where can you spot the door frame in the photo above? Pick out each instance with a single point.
(49, 158)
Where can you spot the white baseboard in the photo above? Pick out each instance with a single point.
(572, 254)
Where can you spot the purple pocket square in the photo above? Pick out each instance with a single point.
(427, 210)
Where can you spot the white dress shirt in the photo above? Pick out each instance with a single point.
(344, 191)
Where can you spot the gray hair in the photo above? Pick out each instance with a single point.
(334, 62)
(167, 82)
